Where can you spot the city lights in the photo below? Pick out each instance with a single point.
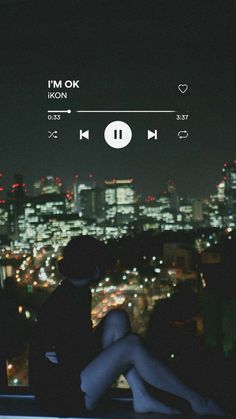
(108, 212)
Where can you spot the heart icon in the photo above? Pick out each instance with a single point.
(183, 88)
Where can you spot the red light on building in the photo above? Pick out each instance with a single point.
(69, 196)
(150, 198)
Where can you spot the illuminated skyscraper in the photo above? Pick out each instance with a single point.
(78, 186)
(221, 191)
(229, 171)
(16, 204)
(18, 189)
(197, 210)
(92, 204)
(119, 201)
(171, 190)
(48, 185)
(38, 212)
(229, 204)
(3, 209)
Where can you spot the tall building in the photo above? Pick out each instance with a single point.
(3, 218)
(18, 189)
(119, 201)
(32, 224)
(214, 213)
(16, 204)
(92, 204)
(227, 195)
(229, 171)
(221, 191)
(78, 186)
(48, 185)
(3, 209)
(2, 190)
(197, 210)
(70, 206)
(174, 199)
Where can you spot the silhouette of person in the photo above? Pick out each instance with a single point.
(173, 318)
(175, 330)
(69, 371)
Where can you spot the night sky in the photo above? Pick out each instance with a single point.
(127, 54)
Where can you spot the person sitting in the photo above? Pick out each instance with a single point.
(72, 366)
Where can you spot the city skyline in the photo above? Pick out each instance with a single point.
(67, 184)
(50, 216)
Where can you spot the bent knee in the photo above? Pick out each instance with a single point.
(118, 316)
(133, 339)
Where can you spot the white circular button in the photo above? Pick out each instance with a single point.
(118, 134)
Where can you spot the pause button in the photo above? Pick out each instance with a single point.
(118, 134)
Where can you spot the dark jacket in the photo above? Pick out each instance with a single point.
(64, 326)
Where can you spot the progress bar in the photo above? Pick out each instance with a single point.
(60, 111)
(125, 111)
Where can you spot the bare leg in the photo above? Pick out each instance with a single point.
(115, 325)
(128, 352)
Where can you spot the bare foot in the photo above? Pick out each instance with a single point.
(203, 406)
(147, 404)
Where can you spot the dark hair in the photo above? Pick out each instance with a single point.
(81, 256)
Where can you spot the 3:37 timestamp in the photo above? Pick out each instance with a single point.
(181, 117)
